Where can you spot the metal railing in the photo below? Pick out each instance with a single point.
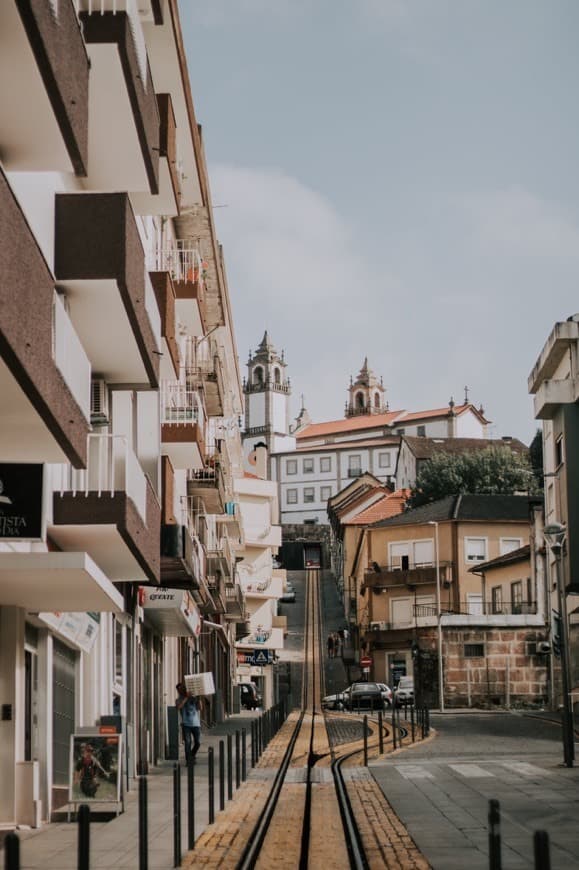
(181, 405)
(182, 260)
(99, 7)
(69, 356)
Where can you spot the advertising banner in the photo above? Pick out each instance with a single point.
(21, 502)
(95, 768)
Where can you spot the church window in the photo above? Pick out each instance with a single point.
(359, 400)
(308, 466)
(326, 463)
(292, 496)
(277, 376)
(258, 375)
(376, 400)
(309, 494)
(291, 466)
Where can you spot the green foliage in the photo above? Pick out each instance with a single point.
(536, 455)
(492, 471)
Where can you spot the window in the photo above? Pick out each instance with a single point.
(497, 599)
(292, 496)
(421, 431)
(400, 431)
(277, 376)
(559, 451)
(359, 400)
(508, 545)
(326, 493)
(517, 596)
(309, 494)
(376, 400)
(258, 375)
(354, 466)
(384, 460)
(308, 466)
(291, 466)
(325, 463)
(475, 549)
(474, 650)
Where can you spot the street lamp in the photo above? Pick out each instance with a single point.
(438, 617)
(555, 538)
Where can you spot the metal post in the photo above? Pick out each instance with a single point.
(244, 754)
(83, 837)
(412, 723)
(542, 852)
(494, 835)
(143, 824)
(191, 805)
(12, 851)
(229, 767)
(394, 723)
(365, 741)
(237, 759)
(252, 743)
(221, 775)
(176, 816)
(211, 786)
(380, 734)
(567, 714)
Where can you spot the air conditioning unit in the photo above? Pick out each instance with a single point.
(379, 626)
(543, 647)
(99, 402)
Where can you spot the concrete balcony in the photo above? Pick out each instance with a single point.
(109, 511)
(44, 69)
(216, 586)
(552, 394)
(208, 484)
(99, 263)
(180, 562)
(557, 345)
(167, 201)
(204, 370)
(45, 397)
(183, 425)
(415, 575)
(257, 536)
(198, 225)
(220, 555)
(124, 121)
(270, 638)
(235, 600)
(166, 301)
(270, 587)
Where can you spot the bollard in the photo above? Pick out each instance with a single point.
(427, 711)
(12, 851)
(422, 723)
(412, 723)
(211, 780)
(221, 775)
(191, 804)
(83, 837)
(243, 754)
(237, 759)
(176, 816)
(394, 725)
(229, 767)
(380, 734)
(253, 741)
(542, 852)
(365, 741)
(494, 835)
(143, 825)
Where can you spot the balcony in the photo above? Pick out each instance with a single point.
(44, 109)
(242, 629)
(180, 562)
(198, 225)
(168, 199)
(99, 262)
(257, 536)
(109, 510)
(270, 638)
(182, 425)
(220, 556)
(47, 420)
(216, 586)
(552, 394)
(124, 123)
(204, 370)
(166, 300)
(270, 587)
(553, 352)
(209, 484)
(392, 576)
(235, 601)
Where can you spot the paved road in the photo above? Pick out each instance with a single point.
(441, 791)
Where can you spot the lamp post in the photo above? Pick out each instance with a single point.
(438, 617)
(555, 537)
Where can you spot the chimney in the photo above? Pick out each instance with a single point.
(258, 459)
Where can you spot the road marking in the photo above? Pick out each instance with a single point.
(413, 771)
(470, 771)
(526, 769)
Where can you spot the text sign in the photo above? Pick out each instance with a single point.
(255, 657)
(21, 488)
(365, 662)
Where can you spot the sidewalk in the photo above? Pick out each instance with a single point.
(115, 844)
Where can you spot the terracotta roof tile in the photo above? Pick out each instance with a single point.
(390, 506)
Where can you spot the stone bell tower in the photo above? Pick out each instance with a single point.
(366, 394)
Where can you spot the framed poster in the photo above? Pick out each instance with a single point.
(95, 768)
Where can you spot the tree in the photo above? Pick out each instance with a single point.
(492, 471)
(536, 455)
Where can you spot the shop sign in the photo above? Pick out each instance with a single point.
(255, 657)
(21, 502)
(162, 598)
(80, 628)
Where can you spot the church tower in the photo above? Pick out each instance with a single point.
(366, 394)
(267, 393)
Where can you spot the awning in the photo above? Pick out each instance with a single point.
(69, 582)
(171, 611)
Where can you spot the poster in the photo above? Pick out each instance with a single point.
(95, 768)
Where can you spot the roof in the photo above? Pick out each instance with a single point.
(484, 508)
(522, 554)
(253, 476)
(425, 448)
(384, 441)
(390, 505)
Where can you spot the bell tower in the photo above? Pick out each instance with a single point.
(366, 394)
(267, 393)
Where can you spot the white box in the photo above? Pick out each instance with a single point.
(200, 684)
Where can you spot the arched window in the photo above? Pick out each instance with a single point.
(359, 400)
(277, 376)
(258, 375)
(376, 400)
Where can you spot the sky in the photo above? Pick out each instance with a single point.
(396, 179)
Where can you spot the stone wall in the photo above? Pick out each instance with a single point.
(308, 533)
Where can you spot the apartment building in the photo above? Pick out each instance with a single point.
(119, 426)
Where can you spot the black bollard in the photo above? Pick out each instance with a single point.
(176, 816)
(252, 743)
(542, 852)
(229, 767)
(422, 723)
(211, 780)
(494, 835)
(143, 825)
(12, 851)
(237, 759)
(83, 837)
(191, 804)
(412, 723)
(380, 734)
(244, 754)
(365, 741)
(221, 775)
(394, 725)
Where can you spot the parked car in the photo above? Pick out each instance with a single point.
(386, 694)
(335, 702)
(364, 696)
(289, 596)
(250, 697)
(404, 692)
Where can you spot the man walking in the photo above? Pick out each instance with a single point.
(188, 707)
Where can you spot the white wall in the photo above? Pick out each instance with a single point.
(256, 405)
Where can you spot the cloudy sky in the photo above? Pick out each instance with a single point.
(397, 179)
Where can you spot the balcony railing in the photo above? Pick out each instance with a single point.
(235, 600)
(69, 356)
(478, 608)
(180, 405)
(112, 466)
(202, 358)
(183, 262)
(420, 573)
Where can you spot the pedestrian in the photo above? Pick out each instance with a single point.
(188, 706)
(345, 634)
(337, 645)
(331, 646)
